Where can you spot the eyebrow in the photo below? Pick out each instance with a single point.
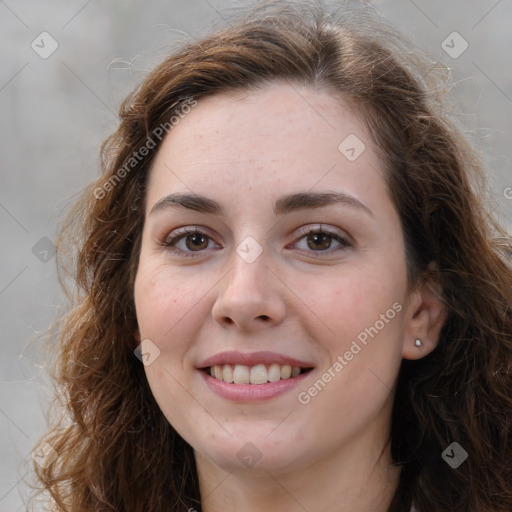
(284, 204)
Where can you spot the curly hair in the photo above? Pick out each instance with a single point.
(116, 449)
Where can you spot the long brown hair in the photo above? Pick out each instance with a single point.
(116, 450)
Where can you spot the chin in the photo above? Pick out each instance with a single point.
(252, 453)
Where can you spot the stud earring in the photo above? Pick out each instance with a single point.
(418, 343)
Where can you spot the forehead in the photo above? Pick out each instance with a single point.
(280, 137)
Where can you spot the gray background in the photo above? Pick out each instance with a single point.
(56, 111)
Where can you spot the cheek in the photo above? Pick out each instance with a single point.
(162, 297)
(153, 300)
(362, 324)
(362, 331)
(167, 308)
(173, 306)
(355, 299)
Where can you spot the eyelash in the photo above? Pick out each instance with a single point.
(182, 233)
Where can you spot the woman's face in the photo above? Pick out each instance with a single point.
(270, 241)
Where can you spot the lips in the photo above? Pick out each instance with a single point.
(255, 368)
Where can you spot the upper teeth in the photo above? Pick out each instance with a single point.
(259, 374)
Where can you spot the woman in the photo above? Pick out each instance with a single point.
(288, 236)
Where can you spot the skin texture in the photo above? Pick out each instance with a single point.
(244, 150)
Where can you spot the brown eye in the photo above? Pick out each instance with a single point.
(197, 241)
(187, 242)
(319, 241)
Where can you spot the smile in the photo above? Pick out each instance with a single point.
(246, 377)
(258, 374)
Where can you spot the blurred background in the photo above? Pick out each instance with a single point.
(66, 66)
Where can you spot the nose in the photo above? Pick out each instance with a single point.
(250, 297)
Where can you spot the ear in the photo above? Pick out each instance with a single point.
(136, 335)
(425, 317)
